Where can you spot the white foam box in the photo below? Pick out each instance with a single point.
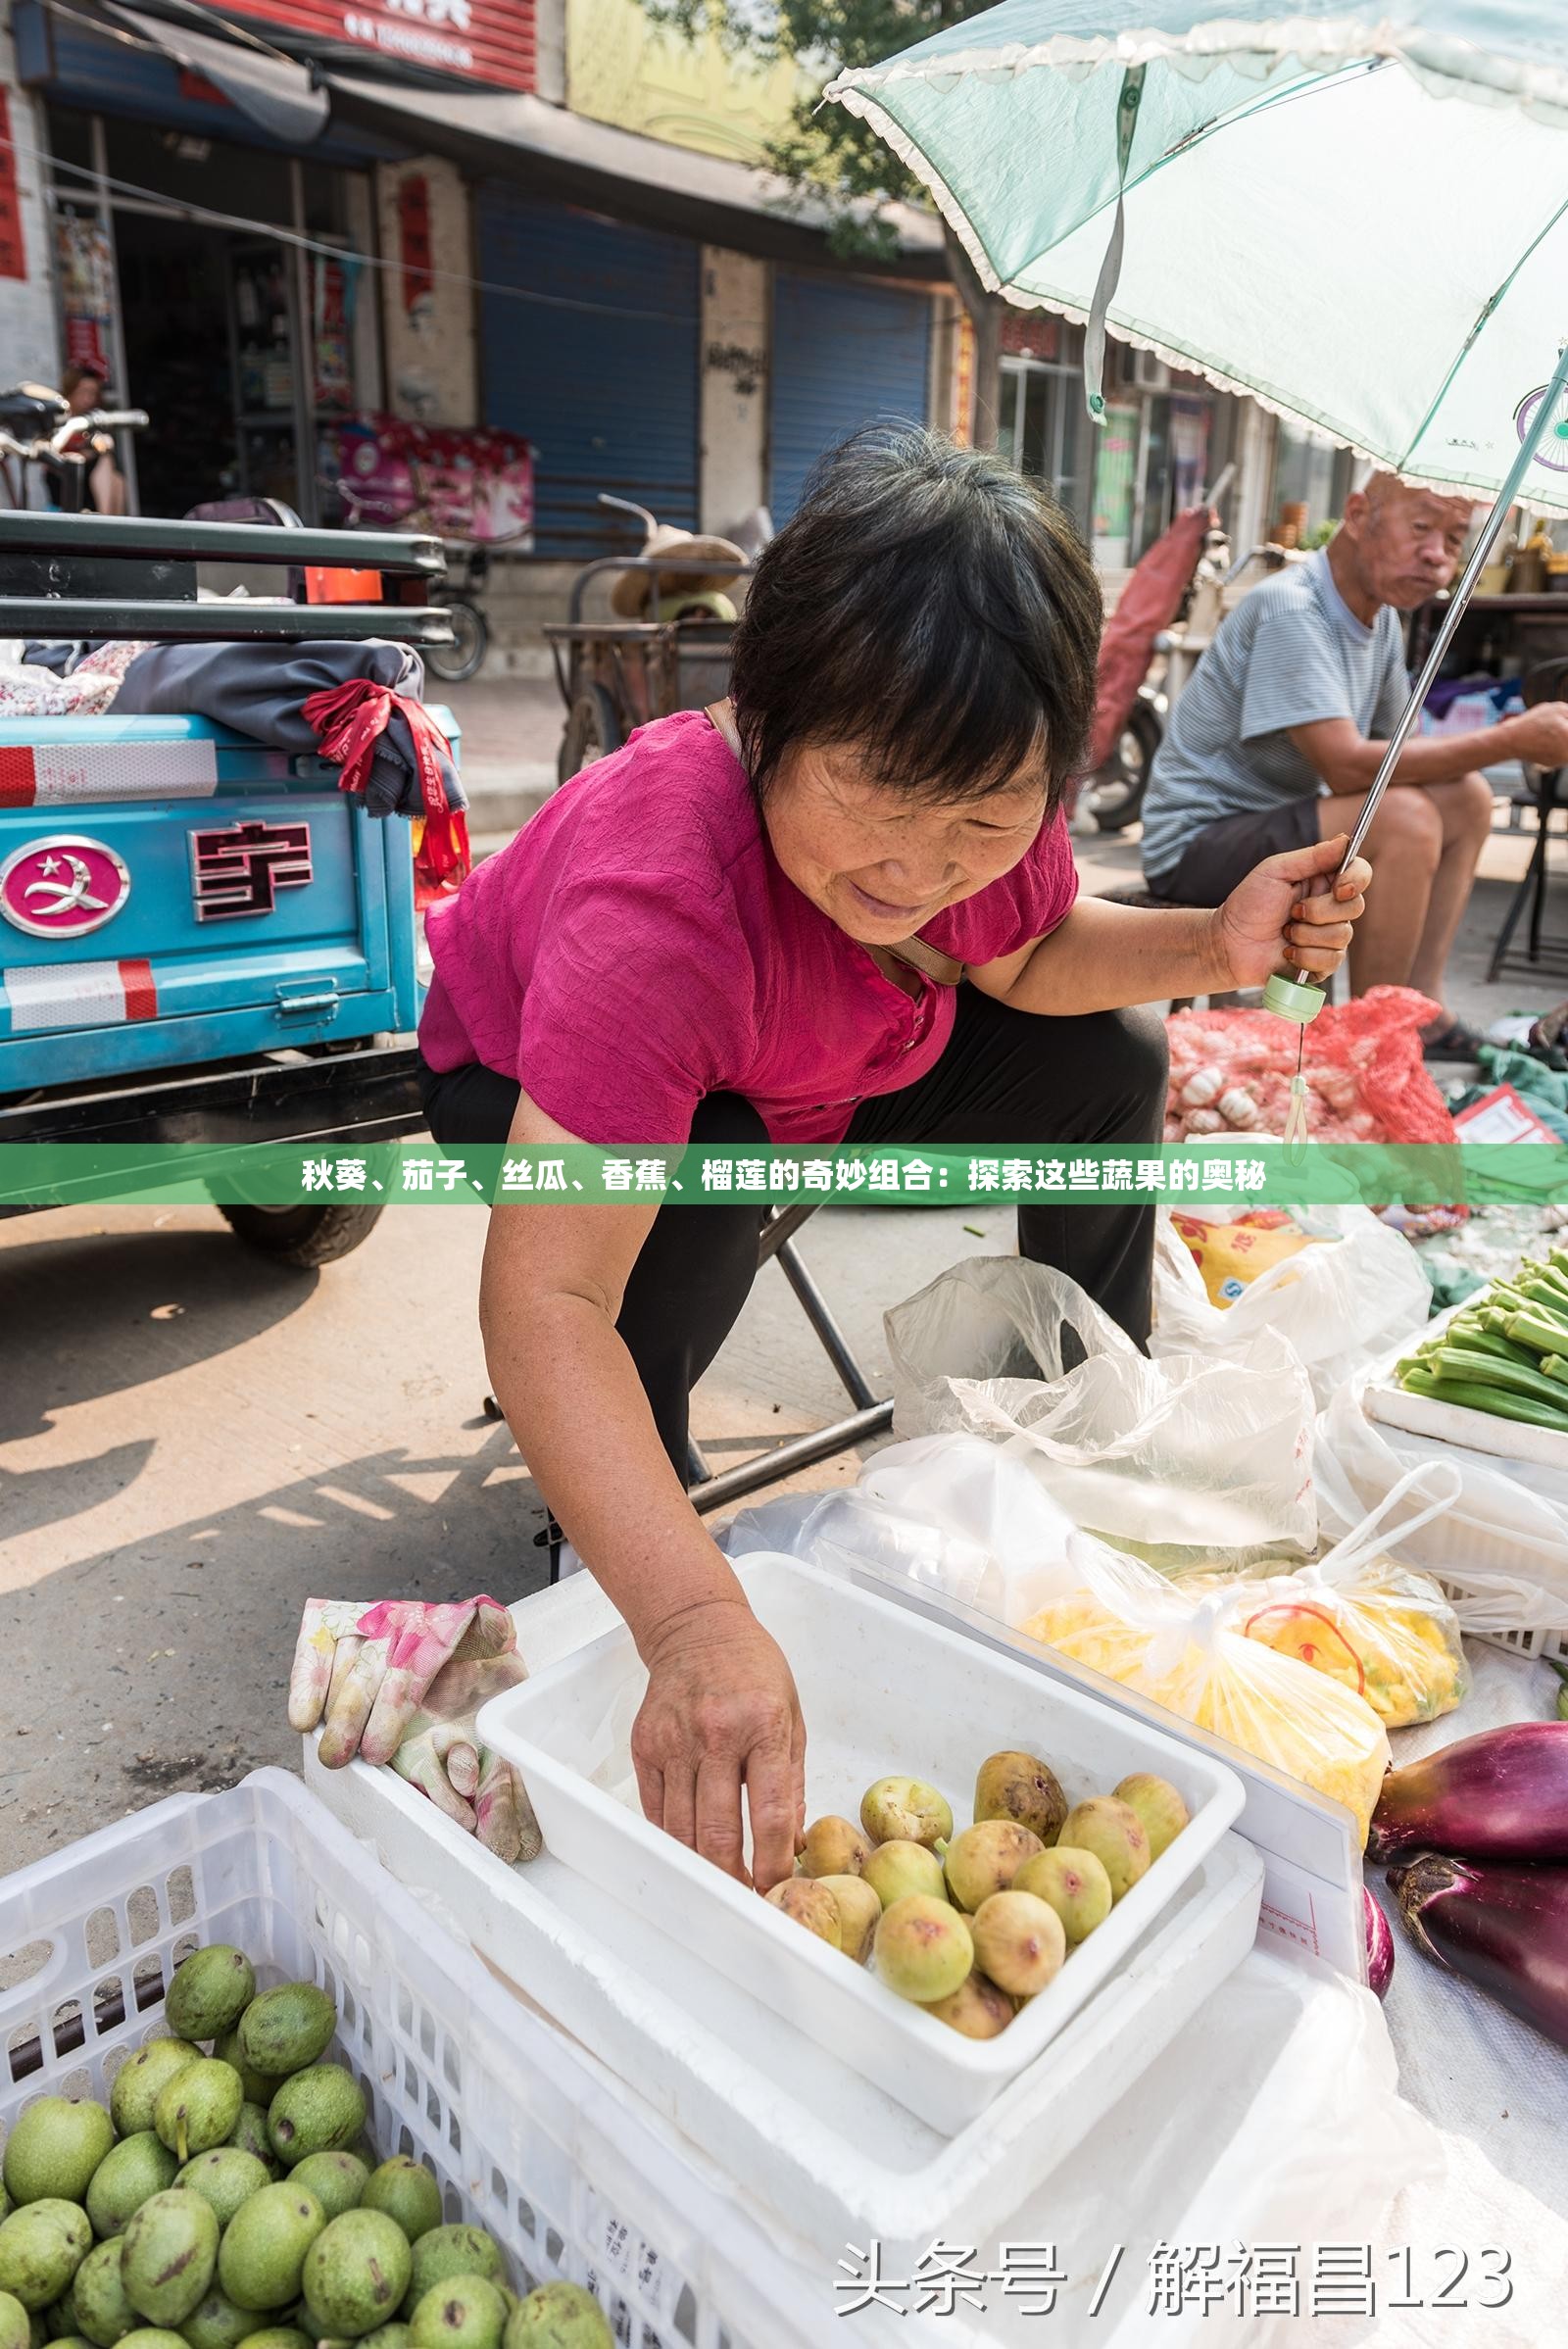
(884, 1691)
(819, 2156)
(1453, 1423)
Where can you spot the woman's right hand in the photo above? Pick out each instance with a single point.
(721, 1714)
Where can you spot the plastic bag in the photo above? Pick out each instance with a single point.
(1190, 1459)
(1231, 1072)
(1340, 1304)
(1500, 1550)
(1368, 1623)
(1174, 1642)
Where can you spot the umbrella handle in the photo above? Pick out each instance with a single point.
(1288, 991)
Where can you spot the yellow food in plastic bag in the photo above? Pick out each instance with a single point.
(1231, 1255)
(1284, 1712)
(1393, 1637)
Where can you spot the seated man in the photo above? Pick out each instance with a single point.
(1283, 728)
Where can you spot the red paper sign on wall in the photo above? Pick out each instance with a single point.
(13, 251)
(483, 40)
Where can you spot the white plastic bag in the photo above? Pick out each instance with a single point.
(1340, 1302)
(1192, 1460)
(1503, 1542)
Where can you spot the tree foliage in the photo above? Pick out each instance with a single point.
(826, 150)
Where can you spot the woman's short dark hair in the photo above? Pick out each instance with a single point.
(931, 607)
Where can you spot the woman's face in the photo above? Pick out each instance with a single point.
(879, 864)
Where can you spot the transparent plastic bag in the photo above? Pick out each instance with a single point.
(1174, 1642)
(1368, 1623)
(1190, 1459)
(1500, 1550)
(1342, 1300)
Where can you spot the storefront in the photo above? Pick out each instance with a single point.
(845, 354)
(238, 341)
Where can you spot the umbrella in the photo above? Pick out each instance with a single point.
(1359, 218)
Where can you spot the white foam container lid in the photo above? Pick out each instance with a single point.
(882, 1691)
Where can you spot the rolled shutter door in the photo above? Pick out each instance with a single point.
(845, 354)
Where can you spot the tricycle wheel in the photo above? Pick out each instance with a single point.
(302, 1236)
(592, 731)
(456, 663)
(1118, 795)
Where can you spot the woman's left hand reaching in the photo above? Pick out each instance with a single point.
(1277, 915)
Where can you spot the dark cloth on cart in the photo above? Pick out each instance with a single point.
(262, 689)
(1006, 1079)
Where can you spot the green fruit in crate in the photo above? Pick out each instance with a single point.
(258, 2089)
(559, 2316)
(262, 2254)
(905, 1810)
(131, 2174)
(278, 2336)
(407, 2191)
(896, 1870)
(170, 2250)
(16, 2333)
(923, 1948)
(98, 2294)
(141, 2080)
(320, 2110)
(199, 2107)
(155, 2336)
(1071, 1882)
(217, 2323)
(447, 2251)
(858, 1909)
(249, 2134)
(53, 2148)
(357, 2272)
(834, 1847)
(464, 2313)
(1022, 1788)
(41, 2247)
(386, 2336)
(986, 1858)
(336, 2179)
(976, 2009)
(1114, 1831)
(224, 2178)
(210, 1992)
(1157, 1804)
(286, 2029)
(1018, 1942)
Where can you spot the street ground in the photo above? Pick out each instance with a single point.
(193, 1441)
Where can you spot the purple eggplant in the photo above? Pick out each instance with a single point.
(1502, 1796)
(1504, 1929)
(1379, 1948)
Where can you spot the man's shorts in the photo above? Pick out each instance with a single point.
(1222, 855)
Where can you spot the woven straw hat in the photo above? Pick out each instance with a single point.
(632, 593)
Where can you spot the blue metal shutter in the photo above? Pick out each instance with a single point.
(845, 354)
(610, 401)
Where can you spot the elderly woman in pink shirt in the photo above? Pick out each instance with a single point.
(753, 928)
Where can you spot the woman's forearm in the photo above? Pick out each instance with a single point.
(1107, 957)
(572, 1399)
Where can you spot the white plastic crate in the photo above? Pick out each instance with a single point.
(1551, 1644)
(525, 2139)
(883, 1689)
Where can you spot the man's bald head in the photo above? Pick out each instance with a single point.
(1401, 545)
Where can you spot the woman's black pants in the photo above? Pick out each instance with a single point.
(1006, 1079)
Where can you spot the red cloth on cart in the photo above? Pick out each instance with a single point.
(347, 720)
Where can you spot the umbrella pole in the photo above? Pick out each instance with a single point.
(1459, 601)
(1290, 992)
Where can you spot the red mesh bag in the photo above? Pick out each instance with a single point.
(1231, 1072)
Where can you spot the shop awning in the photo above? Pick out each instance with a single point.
(280, 96)
(510, 134)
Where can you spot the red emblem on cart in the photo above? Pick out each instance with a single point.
(63, 888)
(240, 869)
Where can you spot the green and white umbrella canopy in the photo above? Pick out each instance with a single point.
(1359, 218)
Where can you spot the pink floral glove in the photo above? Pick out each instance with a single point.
(401, 1682)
